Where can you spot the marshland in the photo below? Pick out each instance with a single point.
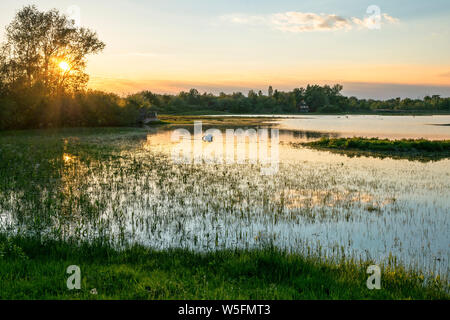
(315, 186)
(119, 189)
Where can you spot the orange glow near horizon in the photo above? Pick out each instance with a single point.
(231, 46)
(168, 81)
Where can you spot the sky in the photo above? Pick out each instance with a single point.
(376, 49)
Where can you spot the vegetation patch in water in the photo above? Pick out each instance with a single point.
(119, 186)
(414, 149)
(34, 269)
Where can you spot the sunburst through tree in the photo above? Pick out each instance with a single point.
(47, 48)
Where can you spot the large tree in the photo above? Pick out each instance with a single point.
(46, 48)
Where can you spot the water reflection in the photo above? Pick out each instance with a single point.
(125, 188)
(391, 127)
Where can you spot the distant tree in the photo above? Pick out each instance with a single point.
(316, 97)
(46, 48)
(276, 94)
(435, 100)
(193, 97)
(152, 98)
(336, 89)
(270, 91)
(252, 96)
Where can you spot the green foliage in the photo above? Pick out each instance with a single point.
(322, 99)
(35, 92)
(36, 45)
(414, 150)
(9, 250)
(137, 272)
(31, 109)
(375, 144)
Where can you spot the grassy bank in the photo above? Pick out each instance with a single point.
(419, 149)
(207, 112)
(218, 121)
(31, 269)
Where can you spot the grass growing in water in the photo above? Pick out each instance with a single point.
(31, 269)
(419, 149)
(113, 185)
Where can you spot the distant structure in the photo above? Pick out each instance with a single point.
(145, 116)
(303, 108)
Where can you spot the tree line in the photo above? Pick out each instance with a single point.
(43, 84)
(313, 98)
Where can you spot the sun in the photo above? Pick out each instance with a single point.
(64, 66)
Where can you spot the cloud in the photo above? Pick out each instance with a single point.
(298, 22)
(445, 75)
(238, 18)
(373, 22)
(390, 19)
(303, 22)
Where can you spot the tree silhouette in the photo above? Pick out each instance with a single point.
(38, 43)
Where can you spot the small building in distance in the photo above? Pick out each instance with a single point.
(303, 107)
(145, 116)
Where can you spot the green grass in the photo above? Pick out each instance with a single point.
(35, 269)
(419, 149)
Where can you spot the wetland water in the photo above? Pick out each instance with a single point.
(122, 186)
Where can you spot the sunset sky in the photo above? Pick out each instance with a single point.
(173, 45)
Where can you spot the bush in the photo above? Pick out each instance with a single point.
(31, 108)
(329, 109)
(375, 144)
(10, 250)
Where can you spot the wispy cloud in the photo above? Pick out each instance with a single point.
(302, 22)
(390, 19)
(297, 22)
(239, 18)
(369, 22)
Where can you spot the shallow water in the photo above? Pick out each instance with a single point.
(435, 127)
(364, 207)
(127, 188)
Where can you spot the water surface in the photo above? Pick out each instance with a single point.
(125, 187)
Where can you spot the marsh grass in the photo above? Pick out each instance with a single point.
(105, 199)
(35, 269)
(411, 149)
(234, 121)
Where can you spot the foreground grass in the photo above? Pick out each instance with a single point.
(419, 149)
(32, 269)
